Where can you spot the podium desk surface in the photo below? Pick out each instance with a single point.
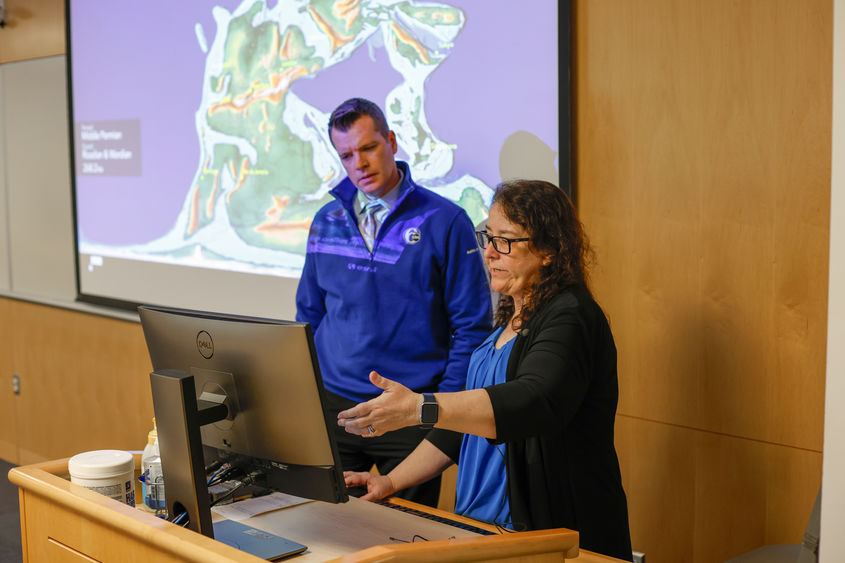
(62, 521)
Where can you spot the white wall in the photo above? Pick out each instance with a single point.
(832, 549)
(37, 239)
(5, 281)
(36, 213)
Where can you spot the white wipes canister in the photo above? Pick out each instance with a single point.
(108, 472)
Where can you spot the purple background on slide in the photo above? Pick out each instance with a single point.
(146, 64)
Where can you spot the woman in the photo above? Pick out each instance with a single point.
(534, 429)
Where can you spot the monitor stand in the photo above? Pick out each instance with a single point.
(179, 416)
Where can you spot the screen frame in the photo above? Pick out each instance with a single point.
(565, 142)
(161, 324)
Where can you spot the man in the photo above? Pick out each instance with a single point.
(393, 282)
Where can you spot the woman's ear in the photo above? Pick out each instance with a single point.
(547, 259)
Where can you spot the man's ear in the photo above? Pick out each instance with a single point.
(391, 138)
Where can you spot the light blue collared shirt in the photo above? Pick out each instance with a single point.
(388, 202)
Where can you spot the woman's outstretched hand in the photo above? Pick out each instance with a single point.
(396, 407)
(378, 486)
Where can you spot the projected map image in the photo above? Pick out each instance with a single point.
(200, 129)
(266, 161)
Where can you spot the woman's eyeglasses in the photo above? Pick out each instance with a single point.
(502, 245)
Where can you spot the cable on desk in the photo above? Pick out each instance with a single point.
(178, 519)
(217, 472)
(248, 480)
(414, 538)
(227, 472)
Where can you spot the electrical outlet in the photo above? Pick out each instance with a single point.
(16, 384)
(639, 557)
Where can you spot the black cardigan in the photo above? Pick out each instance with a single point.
(556, 412)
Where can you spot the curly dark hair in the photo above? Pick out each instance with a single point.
(549, 217)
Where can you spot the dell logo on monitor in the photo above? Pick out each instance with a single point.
(205, 344)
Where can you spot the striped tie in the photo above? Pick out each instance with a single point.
(369, 226)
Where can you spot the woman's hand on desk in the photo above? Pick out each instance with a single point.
(378, 486)
(397, 407)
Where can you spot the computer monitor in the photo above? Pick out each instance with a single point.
(244, 388)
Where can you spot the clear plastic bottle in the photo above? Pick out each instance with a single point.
(153, 483)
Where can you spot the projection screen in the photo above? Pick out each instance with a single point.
(199, 143)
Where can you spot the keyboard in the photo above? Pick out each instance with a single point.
(435, 518)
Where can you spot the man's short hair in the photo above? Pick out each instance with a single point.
(351, 110)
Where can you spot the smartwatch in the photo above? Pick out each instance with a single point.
(429, 411)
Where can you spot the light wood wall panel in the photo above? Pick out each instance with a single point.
(705, 188)
(34, 29)
(658, 474)
(701, 496)
(8, 417)
(84, 382)
(84, 386)
(702, 157)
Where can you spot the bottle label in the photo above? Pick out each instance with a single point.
(155, 485)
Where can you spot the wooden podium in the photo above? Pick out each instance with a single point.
(64, 522)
